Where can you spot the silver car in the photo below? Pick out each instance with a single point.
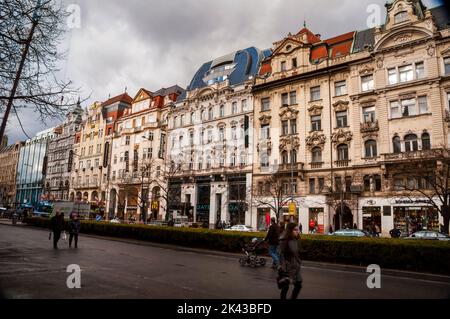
(429, 235)
(351, 233)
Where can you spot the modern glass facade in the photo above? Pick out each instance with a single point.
(30, 169)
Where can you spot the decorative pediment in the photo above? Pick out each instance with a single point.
(315, 110)
(341, 136)
(366, 69)
(401, 37)
(289, 143)
(288, 114)
(316, 139)
(368, 102)
(286, 46)
(341, 106)
(265, 119)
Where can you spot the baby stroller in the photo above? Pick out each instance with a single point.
(252, 251)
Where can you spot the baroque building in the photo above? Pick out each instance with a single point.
(336, 119)
(60, 157)
(137, 187)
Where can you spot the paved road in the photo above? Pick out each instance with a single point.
(30, 268)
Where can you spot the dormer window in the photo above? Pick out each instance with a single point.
(401, 17)
(283, 66)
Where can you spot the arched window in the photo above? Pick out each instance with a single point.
(211, 113)
(370, 148)
(222, 111)
(208, 162)
(396, 144)
(342, 152)
(175, 119)
(192, 117)
(284, 157)
(293, 157)
(411, 143)
(426, 143)
(317, 155)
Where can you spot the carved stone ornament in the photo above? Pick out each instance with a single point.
(265, 119)
(287, 142)
(380, 61)
(315, 110)
(288, 114)
(341, 106)
(431, 49)
(403, 38)
(366, 69)
(341, 136)
(368, 103)
(316, 139)
(264, 146)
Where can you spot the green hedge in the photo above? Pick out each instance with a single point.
(412, 255)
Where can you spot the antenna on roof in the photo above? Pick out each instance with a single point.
(109, 96)
(304, 23)
(126, 89)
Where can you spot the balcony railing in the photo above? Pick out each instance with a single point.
(316, 165)
(410, 156)
(289, 167)
(342, 163)
(369, 127)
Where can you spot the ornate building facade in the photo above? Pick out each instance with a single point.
(137, 185)
(350, 111)
(210, 144)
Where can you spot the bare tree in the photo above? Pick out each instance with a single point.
(271, 192)
(430, 178)
(30, 37)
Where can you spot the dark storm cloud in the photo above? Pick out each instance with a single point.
(159, 43)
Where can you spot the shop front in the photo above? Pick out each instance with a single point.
(203, 205)
(316, 220)
(289, 217)
(372, 218)
(415, 218)
(263, 219)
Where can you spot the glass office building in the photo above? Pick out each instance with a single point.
(31, 168)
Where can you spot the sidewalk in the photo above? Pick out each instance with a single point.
(307, 264)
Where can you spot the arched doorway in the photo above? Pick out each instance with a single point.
(72, 197)
(79, 196)
(343, 219)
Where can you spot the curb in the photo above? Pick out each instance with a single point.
(305, 263)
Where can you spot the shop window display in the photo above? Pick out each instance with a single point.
(412, 219)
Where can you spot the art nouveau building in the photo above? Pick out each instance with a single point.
(92, 149)
(60, 157)
(9, 158)
(137, 185)
(336, 118)
(210, 144)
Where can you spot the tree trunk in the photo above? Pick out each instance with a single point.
(446, 215)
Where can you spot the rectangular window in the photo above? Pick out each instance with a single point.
(321, 184)
(409, 107)
(340, 88)
(423, 105)
(285, 127)
(392, 76)
(294, 63)
(293, 126)
(265, 132)
(221, 134)
(316, 123)
(312, 185)
(367, 83)
(377, 183)
(127, 140)
(244, 105)
(369, 114)
(447, 65)
(265, 104)
(293, 97)
(315, 93)
(420, 70)
(341, 119)
(395, 110)
(97, 162)
(283, 66)
(284, 99)
(406, 73)
(234, 108)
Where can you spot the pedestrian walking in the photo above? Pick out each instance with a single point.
(377, 230)
(57, 225)
(74, 230)
(290, 262)
(330, 229)
(355, 226)
(273, 238)
(300, 226)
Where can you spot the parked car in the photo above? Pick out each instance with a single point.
(429, 235)
(115, 221)
(242, 228)
(351, 233)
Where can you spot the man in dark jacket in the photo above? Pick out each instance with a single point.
(74, 230)
(57, 225)
(273, 238)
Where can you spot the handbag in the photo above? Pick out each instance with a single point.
(64, 235)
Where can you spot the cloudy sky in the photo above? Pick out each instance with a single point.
(159, 43)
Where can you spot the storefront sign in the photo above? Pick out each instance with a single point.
(155, 205)
(292, 209)
(202, 207)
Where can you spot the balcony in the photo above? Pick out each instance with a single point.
(410, 156)
(316, 165)
(369, 127)
(342, 163)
